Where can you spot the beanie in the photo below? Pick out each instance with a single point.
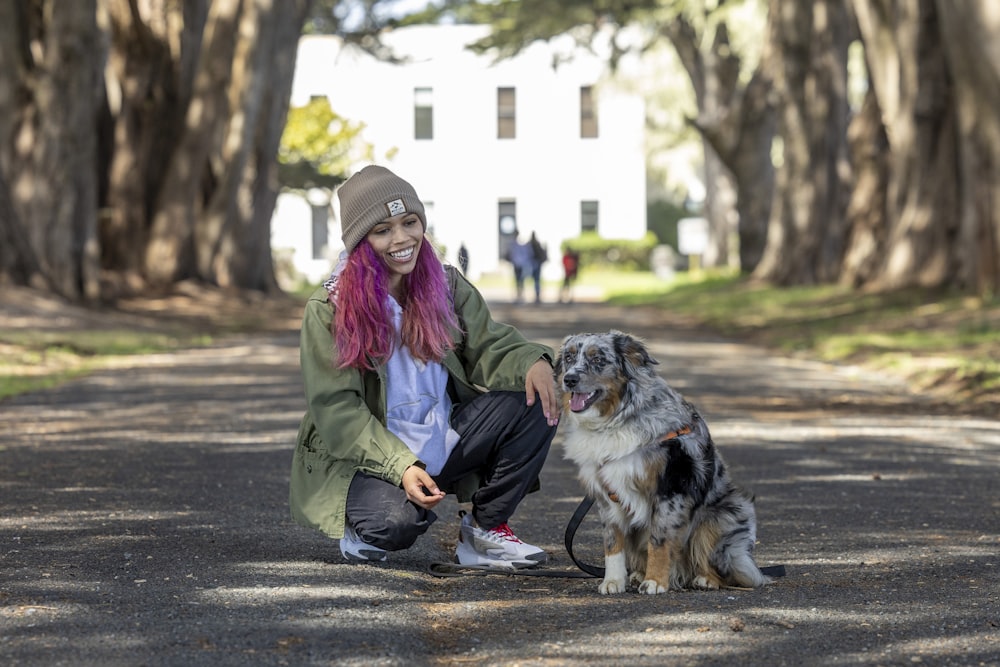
(369, 197)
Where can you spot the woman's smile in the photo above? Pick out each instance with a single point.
(403, 255)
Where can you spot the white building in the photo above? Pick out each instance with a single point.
(493, 149)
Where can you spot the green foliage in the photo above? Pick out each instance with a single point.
(938, 339)
(33, 360)
(516, 23)
(318, 146)
(625, 254)
(661, 220)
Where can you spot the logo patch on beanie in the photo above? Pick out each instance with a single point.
(396, 207)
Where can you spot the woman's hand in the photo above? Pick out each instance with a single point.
(421, 488)
(541, 381)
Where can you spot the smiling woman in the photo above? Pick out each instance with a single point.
(396, 350)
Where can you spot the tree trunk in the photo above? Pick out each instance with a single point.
(17, 258)
(969, 29)
(195, 164)
(51, 58)
(866, 212)
(212, 220)
(914, 88)
(235, 235)
(737, 124)
(807, 224)
(743, 140)
(148, 89)
(714, 73)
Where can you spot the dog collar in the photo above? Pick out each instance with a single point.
(673, 435)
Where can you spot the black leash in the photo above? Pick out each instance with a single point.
(574, 523)
(586, 569)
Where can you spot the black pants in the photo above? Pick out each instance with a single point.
(502, 439)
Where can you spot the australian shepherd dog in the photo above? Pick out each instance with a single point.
(670, 514)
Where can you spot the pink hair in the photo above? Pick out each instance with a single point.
(363, 326)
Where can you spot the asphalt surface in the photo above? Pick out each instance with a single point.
(144, 521)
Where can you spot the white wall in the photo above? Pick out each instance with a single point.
(464, 170)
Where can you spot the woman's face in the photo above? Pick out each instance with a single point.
(397, 241)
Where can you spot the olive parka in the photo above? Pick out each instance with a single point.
(343, 430)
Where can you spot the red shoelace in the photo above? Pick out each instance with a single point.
(504, 532)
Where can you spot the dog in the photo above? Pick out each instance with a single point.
(671, 517)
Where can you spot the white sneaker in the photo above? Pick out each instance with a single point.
(357, 551)
(498, 547)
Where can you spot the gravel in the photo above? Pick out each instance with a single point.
(144, 521)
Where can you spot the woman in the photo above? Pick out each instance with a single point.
(395, 352)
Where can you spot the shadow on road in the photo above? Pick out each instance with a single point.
(144, 521)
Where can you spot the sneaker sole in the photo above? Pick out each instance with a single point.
(365, 556)
(469, 556)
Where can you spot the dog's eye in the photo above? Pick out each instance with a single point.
(598, 362)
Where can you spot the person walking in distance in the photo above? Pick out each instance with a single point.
(539, 255)
(571, 267)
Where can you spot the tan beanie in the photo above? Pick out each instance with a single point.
(369, 197)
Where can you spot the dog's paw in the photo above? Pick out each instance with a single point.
(636, 578)
(652, 587)
(612, 586)
(705, 583)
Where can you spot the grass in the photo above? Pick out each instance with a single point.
(32, 360)
(939, 340)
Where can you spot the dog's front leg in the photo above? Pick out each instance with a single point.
(615, 567)
(658, 563)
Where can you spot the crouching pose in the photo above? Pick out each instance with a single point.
(414, 391)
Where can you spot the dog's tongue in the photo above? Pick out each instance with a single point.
(577, 401)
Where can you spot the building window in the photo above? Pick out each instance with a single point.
(506, 114)
(506, 226)
(588, 113)
(588, 216)
(423, 113)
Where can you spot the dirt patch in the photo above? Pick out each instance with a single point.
(188, 307)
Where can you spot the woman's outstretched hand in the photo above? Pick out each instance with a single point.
(540, 380)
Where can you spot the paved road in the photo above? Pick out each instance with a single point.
(143, 521)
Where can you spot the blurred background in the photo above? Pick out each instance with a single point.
(836, 141)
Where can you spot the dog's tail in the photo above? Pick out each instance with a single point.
(744, 571)
(735, 527)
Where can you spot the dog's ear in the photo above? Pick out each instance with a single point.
(632, 350)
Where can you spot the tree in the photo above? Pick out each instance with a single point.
(935, 84)
(736, 120)
(318, 146)
(807, 225)
(138, 140)
(49, 103)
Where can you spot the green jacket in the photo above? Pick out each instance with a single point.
(343, 430)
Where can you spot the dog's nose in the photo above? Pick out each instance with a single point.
(571, 380)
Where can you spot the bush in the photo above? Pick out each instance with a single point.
(661, 219)
(625, 254)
